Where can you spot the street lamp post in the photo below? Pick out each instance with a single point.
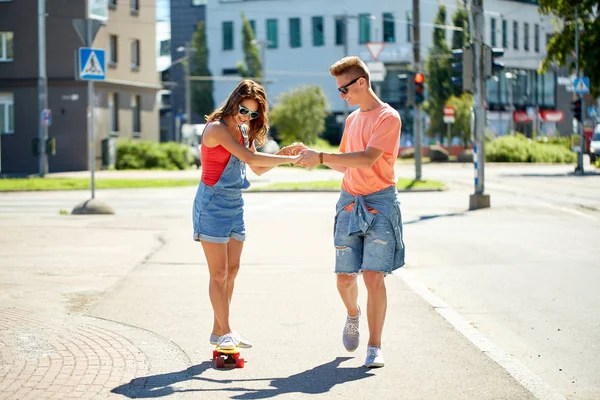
(510, 79)
(188, 95)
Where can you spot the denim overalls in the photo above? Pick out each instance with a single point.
(218, 212)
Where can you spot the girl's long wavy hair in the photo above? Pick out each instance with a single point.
(247, 89)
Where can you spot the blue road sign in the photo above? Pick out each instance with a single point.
(46, 117)
(91, 64)
(581, 85)
(592, 112)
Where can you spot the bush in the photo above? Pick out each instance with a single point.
(560, 141)
(437, 153)
(520, 149)
(139, 154)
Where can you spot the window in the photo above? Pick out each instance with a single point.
(135, 54)
(135, 6)
(504, 34)
(7, 113)
(364, 28)
(165, 47)
(253, 26)
(340, 31)
(409, 26)
(515, 35)
(113, 109)
(493, 32)
(295, 35)
(199, 2)
(317, 31)
(536, 38)
(272, 34)
(136, 114)
(112, 4)
(6, 46)
(227, 35)
(526, 36)
(112, 50)
(389, 28)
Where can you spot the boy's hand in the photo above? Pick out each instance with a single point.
(292, 150)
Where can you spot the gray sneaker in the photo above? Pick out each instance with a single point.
(374, 357)
(242, 343)
(351, 335)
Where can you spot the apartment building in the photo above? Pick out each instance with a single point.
(126, 102)
(300, 39)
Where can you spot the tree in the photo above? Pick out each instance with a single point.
(460, 38)
(299, 115)
(462, 117)
(252, 67)
(439, 75)
(202, 91)
(561, 48)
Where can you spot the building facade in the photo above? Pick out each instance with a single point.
(126, 102)
(299, 40)
(185, 14)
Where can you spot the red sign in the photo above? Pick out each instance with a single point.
(521, 117)
(552, 115)
(449, 111)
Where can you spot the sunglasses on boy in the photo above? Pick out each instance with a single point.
(344, 89)
(244, 111)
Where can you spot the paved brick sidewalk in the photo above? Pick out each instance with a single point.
(78, 357)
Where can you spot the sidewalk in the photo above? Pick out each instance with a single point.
(117, 307)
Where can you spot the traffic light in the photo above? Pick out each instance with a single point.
(407, 97)
(490, 65)
(419, 81)
(576, 109)
(463, 69)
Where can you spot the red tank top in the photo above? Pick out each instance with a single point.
(213, 161)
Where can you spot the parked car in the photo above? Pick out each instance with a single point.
(192, 136)
(595, 145)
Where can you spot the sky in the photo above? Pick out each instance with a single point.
(163, 10)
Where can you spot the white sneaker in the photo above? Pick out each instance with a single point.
(374, 357)
(227, 342)
(242, 343)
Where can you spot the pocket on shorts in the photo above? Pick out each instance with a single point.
(205, 202)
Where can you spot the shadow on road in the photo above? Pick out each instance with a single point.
(313, 381)
(423, 218)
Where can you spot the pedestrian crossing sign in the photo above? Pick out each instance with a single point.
(581, 85)
(91, 64)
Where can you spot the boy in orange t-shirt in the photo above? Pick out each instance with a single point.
(368, 223)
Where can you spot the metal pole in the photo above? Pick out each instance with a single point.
(188, 95)
(91, 107)
(479, 95)
(511, 102)
(579, 168)
(345, 18)
(42, 88)
(449, 136)
(417, 62)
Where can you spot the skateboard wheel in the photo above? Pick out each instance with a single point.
(215, 354)
(239, 363)
(235, 356)
(220, 362)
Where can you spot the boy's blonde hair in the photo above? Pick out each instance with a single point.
(350, 65)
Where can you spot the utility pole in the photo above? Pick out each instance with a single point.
(417, 62)
(42, 88)
(188, 94)
(478, 199)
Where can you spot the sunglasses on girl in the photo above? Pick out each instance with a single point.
(244, 111)
(344, 89)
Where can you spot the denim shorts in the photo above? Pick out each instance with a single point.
(373, 251)
(218, 215)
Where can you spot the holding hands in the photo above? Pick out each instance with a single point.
(305, 156)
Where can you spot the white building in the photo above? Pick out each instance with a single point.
(300, 39)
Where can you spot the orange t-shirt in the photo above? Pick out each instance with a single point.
(378, 128)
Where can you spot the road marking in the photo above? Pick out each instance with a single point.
(523, 375)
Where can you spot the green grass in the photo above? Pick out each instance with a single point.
(37, 184)
(403, 184)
